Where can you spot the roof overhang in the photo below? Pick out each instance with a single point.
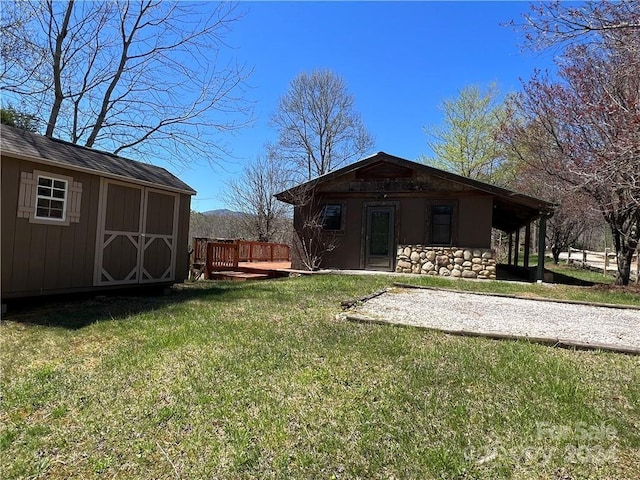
(39, 149)
(91, 171)
(511, 210)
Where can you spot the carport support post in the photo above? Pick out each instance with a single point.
(527, 243)
(517, 249)
(542, 233)
(510, 248)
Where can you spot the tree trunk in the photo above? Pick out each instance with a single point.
(57, 72)
(625, 248)
(624, 266)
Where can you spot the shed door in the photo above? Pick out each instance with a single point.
(379, 238)
(137, 230)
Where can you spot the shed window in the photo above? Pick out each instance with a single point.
(332, 217)
(51, 198)
(441, 221)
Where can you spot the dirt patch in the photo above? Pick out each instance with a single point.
(633, 288)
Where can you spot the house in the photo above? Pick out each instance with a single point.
(76, 219)
(391, 214)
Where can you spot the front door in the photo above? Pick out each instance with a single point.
(379, 238)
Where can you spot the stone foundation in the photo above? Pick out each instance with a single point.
(446, 261)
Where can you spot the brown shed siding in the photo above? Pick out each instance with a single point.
(347, 255)
(472, 224)
(38, 257)
(182, 241)
(123, 212)
(427, 208)
(44, 258)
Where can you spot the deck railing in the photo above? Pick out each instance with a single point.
(263, 252)
(216, 255)
(222, 256)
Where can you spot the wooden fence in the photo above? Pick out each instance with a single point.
(605, 261)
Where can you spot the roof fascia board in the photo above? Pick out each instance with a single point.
(524, 200)
(477, 184)
(115, 176)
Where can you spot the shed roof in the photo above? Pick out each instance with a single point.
(511, 210)
(38, 148)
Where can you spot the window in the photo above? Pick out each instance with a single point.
(51, 198)
(441, 216)
(332, 217)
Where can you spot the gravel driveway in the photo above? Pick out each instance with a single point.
(569, 324)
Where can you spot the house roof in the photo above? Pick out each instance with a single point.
(38, 148)
(512, 210)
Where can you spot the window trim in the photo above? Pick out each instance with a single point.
(449, 224)
(343, 209)
(453, 233)
(28, 196)
(65, 199)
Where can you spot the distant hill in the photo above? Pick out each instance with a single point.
(222, 212)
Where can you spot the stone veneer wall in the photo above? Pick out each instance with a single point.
(446, 261)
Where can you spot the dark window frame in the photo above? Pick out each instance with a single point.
(335, 226)
(453, 223)
(441, 224)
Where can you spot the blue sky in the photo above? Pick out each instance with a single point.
(399, 60)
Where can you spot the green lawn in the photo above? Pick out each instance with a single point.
(604, 293)
(262, 380)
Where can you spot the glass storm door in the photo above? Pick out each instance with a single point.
(379, 239)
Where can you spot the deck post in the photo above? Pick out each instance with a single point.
(527, 243)
(236, 255)
(542, 233)
(510, 258)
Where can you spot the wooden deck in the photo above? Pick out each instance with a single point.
(238, 260)
(265, 265)
(256, 271)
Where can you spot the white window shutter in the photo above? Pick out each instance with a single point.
(27, 195)
(73, 205)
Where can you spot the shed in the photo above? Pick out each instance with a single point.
(76, 219)
(388, 213)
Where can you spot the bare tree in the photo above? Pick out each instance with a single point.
(16, 46)
(551, 24)
(131, 76)
(253, 194)
(319, 129)
(575, 213)
(311, 240)
(584, 128)
(217, 225)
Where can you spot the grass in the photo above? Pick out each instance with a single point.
(573, 270)
(604, 293)
(581, 273)
(261, 380)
